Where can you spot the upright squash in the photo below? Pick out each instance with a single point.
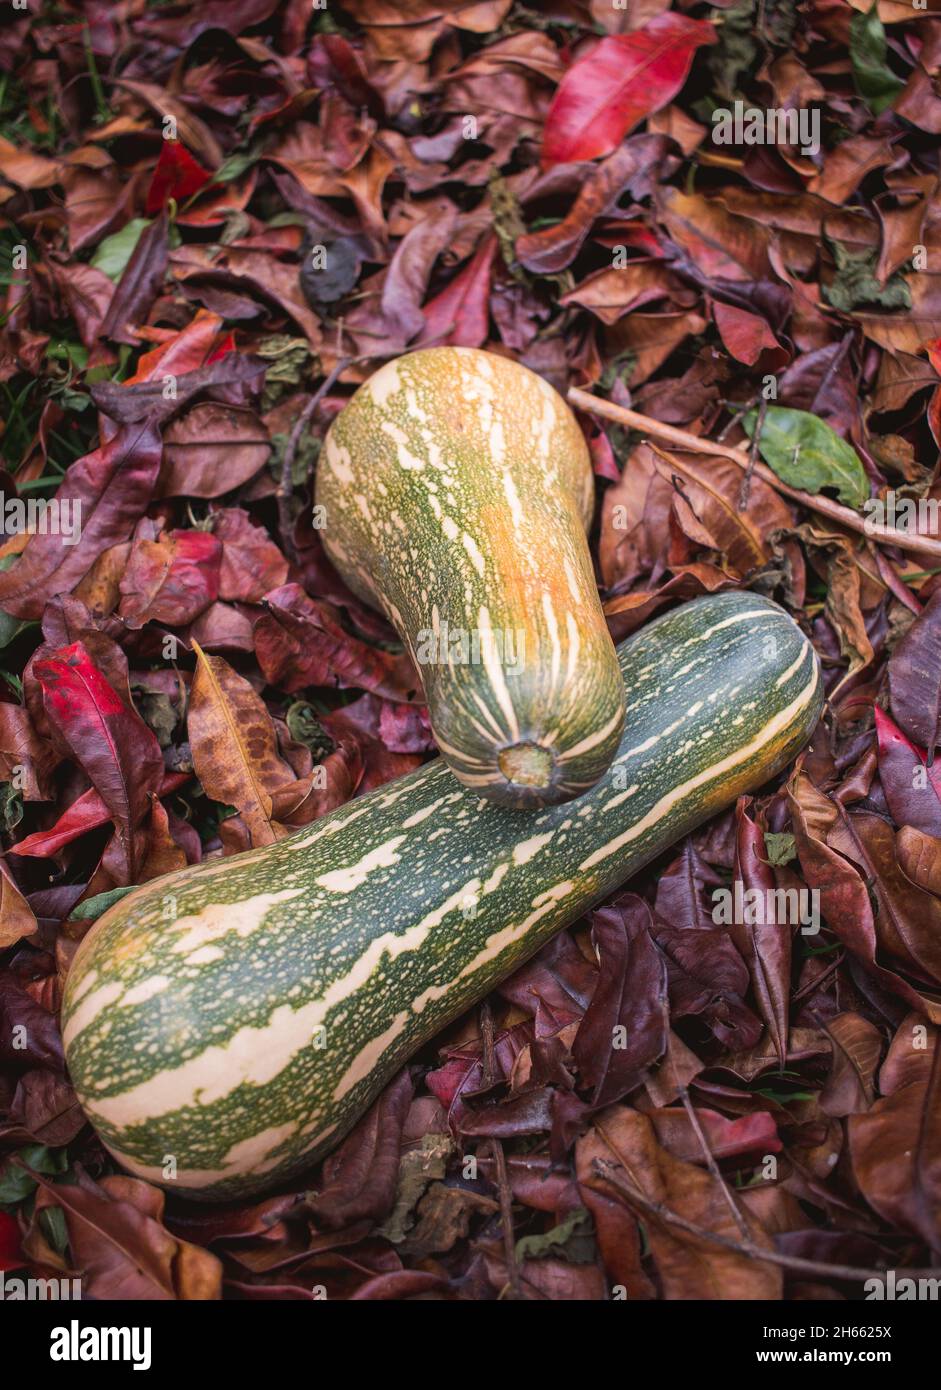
(456, 490)
(226, 1025)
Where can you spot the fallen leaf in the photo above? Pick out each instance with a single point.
(620, 1156)
(108, 740)
(234, 744)
(806, 453)
(624, 78)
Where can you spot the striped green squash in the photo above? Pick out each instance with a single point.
(238, 1017)
(456, 490)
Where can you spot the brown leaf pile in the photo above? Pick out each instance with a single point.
(208, 210)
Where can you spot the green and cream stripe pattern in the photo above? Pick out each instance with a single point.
(456, 491)
(238, 1017)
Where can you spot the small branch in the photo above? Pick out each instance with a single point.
(752, 456)
(682, 439)
(286, 486)
(711, 1163)
(740, 412)
(488, 1069)
(814, 1268)
(506, 1218)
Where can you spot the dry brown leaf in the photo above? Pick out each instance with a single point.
(712, 487)
(688, 1266)
(234, 744)
(16, 916)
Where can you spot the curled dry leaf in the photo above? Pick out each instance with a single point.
(119, 1242)
(16, 916)
(761, 934)
(896, 1148)
(623, 1032)
(712, 487)
(234, 745)
(857, 1051)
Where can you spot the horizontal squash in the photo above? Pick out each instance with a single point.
(238, 1017)
(454, 492)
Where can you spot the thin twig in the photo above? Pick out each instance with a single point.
(745, 489)
(815, 1268)
(488, 1071)
(710, 1158)
(506, 1219)
(683, 1092)
(286, 485)
(740, 411)
(843, 516)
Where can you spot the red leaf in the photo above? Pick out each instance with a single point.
(913, 800)
(380, 765)
(603, 462)
(252, 564)
(459, 315)
(299, 642)
(915, 678)
(10, 1257)
(86, 813)
(105, 493)
(225, 346)
(405, 728)
(624, 78)
(745, 336)
(170, 579)
(118, 752)
(176, 176)
(182, 352)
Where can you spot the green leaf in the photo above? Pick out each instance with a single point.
(72, 354)
(16, 1184)
(115, 251)
(856, 282)
(872, 75)
(54, 1228)
(14, 682)
(94, 907)
(237, 164)
(572, 1240)
(304, 727)
(11, 627)
(11, 807)
(806, 453)
(781, 847)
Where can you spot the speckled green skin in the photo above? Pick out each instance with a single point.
(240, 1016)
(456, 490)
